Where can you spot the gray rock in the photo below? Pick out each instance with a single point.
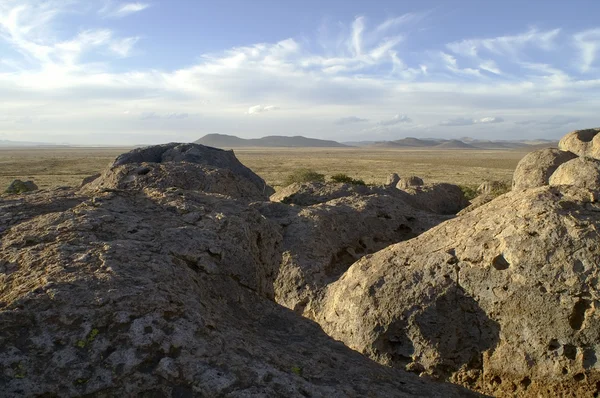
(89, 179)
(321, 241)
(184, 166)
(18, 187)
(535, 169)
(124, 294)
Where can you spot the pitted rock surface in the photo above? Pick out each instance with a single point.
(439, 198)
(163, 290)
(502, 299)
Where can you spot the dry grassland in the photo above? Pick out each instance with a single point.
(51, 167)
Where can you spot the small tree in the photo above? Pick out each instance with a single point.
(304, 175)
(346, 179)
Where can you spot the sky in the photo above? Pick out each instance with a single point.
(109, 72)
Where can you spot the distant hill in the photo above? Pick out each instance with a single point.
(454, 144)
(21, 144)
(463, 143)
(273, 141)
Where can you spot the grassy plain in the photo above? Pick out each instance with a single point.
(51, 167)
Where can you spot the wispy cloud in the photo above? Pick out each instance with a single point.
(349, 120)
(460, 121)
(253, 110)
(395, 120)
(121, 10)
(588, 43)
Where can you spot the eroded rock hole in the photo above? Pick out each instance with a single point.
(587, 135)
(578, 315)
(570, 351)
(553, 345)
(500, 263)
(579, 377)
(525, 383)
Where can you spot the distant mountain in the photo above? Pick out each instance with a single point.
(463, 143)
(454, 144)
(273, 141)
(20, 144)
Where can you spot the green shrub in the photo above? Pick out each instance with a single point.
(346, 179)
(469, 191)
(501, 188)
(304, 175)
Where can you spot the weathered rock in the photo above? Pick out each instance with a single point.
(493, 187)
(89, 179)
(440, 198)
(18, 187)
(164, 293)
(502, 299)
(410, 181)
(535, 169)
(580, 172)
(392, 180)
(185, 166)
(311, 193)
(477, 202)
(321, 241)
(582, 143)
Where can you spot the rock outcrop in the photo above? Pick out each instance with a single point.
(157, 279)
(536, 168)
(503, 299)
(439, 198)
(18, 187)
(584, 143)
(185, 166)
(321, 241)
(580, 172)
(410, 181)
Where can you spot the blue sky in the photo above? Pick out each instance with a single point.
(119, 72)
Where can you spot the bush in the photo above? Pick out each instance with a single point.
(304, 175)
(346, 179)
(469, 191)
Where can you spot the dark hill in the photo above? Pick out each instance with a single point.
(230, 141)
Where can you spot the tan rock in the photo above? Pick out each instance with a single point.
(580, 172)
(502, 299)
(535, 169)
(582, 143)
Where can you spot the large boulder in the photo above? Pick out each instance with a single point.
(163, 293)
(186, 166)
(321, 241)
(503, 299)
(535, 169)
(581, 172)
(18, 187)
(584, 143)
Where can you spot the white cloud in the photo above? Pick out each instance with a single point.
(395, 120)
(588, 43)
(506, 45)
(349, 120)
(122, 10)
(260, 109)
(461, 121)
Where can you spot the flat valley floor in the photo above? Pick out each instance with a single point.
(52, 167)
